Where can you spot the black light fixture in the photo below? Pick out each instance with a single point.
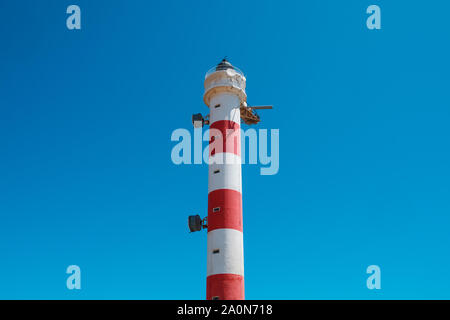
(196, 223)
(197, 120)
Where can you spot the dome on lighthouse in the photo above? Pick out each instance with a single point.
(224, 65)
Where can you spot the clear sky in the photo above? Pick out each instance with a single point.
(86, 176)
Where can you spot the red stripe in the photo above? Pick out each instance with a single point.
(229, 214)
(225, 136)
(225, 286)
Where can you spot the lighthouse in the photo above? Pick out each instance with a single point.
(227, 101)
(224, 95)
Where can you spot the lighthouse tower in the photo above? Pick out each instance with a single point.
(225, 95)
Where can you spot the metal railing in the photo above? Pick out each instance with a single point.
(213, 69)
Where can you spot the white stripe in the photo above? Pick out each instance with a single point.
(230, 258)
(229, 108)
(225, 172)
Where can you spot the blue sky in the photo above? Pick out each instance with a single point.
(86, 176)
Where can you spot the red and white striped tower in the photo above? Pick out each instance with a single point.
(224, 94)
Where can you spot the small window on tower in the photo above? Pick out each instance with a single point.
(216, 251)
(215, 298)
(216, 171)
(216, 209)
(217, 106)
